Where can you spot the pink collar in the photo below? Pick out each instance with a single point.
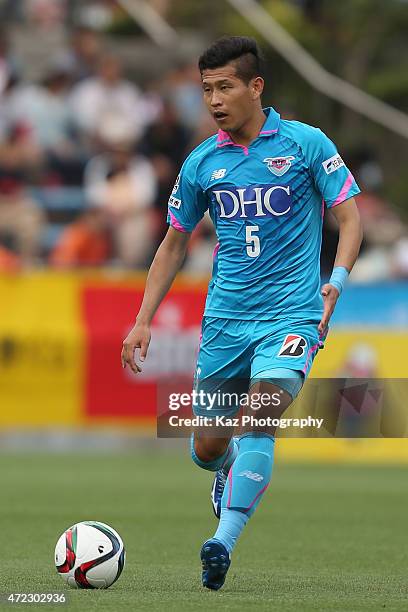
(271, 126)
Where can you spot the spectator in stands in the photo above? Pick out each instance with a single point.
(8, 63)
(84, 54)
(105, 97)
(165, 144)
(382, 226)
(166, 136)
(86, 242)
(186, 95)
(205, 128)
(44, 111)
(21, 221)
(124, 185)
(48, 13)
(399, 258)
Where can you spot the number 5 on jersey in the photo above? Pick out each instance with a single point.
(253, 248)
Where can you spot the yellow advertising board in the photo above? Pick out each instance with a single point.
(380, 353)
(41, 350)
(60, 334)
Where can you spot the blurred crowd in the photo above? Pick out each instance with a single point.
(384, 251)
(88, 158)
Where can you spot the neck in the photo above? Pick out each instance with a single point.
(250, 130)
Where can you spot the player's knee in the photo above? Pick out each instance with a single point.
(206, 450)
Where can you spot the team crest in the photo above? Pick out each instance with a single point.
(292, 346)
(279, 165)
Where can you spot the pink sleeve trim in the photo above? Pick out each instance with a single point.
(176, 224)
(344, 190)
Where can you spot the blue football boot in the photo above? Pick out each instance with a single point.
(215, 560)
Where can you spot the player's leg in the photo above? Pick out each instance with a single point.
(223, 370)
(212, 447)
(251, 472)
(280, 364)
(216, 455)
(223, 367)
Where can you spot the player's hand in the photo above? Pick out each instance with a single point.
(138, 337)
(330, 297)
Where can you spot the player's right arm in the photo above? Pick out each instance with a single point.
(186, 207)
(167, 262)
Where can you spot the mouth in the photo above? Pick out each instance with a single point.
(219, 116)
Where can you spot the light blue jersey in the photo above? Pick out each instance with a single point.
(267, 203)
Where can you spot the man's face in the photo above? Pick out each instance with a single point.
(229, 100)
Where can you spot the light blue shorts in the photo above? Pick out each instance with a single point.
(233, 354)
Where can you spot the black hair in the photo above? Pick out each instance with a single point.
(241, 50)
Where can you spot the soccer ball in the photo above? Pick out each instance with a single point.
(90, 555)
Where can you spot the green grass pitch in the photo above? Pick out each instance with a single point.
(326, 537)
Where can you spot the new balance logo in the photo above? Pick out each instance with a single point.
(218, 174)
(251, 475)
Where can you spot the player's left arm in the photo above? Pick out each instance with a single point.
(350, 237)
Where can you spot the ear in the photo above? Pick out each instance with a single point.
(257, 87)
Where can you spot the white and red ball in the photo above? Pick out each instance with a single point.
(90, 555)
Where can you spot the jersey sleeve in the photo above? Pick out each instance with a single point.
(188, 202)
(331, 176)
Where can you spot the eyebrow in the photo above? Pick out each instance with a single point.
(225, 80)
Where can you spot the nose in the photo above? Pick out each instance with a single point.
(215, 100)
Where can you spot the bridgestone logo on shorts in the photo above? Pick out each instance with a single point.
(293, 346)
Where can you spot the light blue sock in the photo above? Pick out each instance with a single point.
(230, 526)
(248, 479)
(224, 461)
(233, 449)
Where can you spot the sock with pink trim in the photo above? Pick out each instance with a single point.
(247, 481)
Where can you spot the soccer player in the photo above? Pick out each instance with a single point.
(265, 182)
